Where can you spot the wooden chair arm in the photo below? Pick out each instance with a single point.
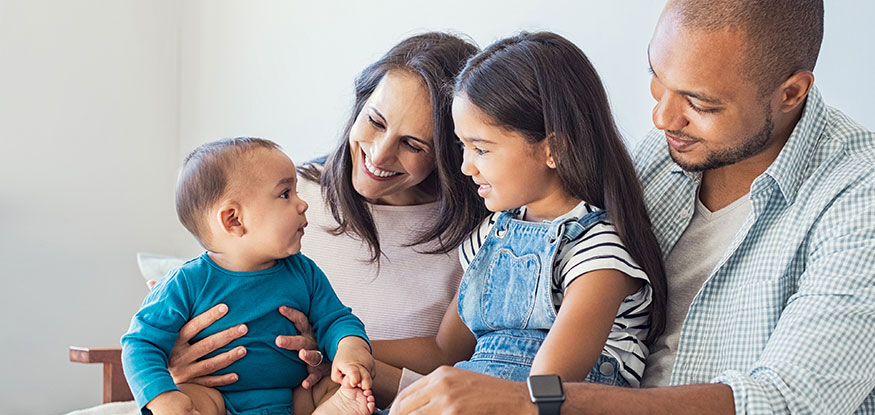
(115, 387)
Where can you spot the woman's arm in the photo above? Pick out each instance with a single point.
(453, 343)
(583, 324)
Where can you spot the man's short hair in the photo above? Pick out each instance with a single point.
(784, 36)
(205, 178)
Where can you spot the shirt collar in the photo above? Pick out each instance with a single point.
(789, 168)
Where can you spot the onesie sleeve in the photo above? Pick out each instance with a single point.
(153, 331)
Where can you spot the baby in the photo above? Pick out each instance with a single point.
(237, 197)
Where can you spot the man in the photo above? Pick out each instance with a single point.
(763, 199)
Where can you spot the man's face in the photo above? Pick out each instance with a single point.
(711, 115)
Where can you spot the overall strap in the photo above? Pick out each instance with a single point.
(575, 228)
(503, 219)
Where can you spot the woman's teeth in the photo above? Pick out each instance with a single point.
(377, 172)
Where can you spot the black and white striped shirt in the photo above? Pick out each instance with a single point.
(599, 248)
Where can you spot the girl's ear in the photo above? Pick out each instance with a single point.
(230, 218)
(545, 144)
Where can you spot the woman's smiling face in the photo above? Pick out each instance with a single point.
(392, 142)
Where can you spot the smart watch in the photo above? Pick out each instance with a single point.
(546, 393)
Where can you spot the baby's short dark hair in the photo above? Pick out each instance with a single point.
(205, 178)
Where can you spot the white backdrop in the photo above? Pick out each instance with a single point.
(101, 99)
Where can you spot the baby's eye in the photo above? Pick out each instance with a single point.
(284, 194)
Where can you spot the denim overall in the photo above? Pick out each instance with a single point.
(506, 300)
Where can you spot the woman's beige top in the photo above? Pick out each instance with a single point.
(408, 295)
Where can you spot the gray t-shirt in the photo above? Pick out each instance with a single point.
(690, 263)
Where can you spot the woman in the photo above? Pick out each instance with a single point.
(388, 207)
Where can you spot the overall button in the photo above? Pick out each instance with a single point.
(606, 368)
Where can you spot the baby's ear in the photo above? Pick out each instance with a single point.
(230, 218)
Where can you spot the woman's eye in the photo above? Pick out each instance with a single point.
(480, 151)
(375, 123)
(413, 148)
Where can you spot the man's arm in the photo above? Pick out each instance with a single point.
(819, 357)
(450, 390)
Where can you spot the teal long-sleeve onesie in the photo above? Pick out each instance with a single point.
(267, 374)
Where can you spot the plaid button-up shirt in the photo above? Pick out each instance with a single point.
(787, 317)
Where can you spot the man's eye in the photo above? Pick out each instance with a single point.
(700, 109)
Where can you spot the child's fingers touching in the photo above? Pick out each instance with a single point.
(336, 375)
(366, 379)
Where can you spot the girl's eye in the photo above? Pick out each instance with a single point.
(475, 149)
(284, 194)
(375, 123)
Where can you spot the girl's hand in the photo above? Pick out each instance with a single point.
(184, 365)
(305, 343)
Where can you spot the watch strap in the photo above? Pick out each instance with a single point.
(548, 408)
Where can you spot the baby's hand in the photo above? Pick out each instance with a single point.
(172, 403)
(353, 364)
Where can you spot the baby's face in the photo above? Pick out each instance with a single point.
(273, 213)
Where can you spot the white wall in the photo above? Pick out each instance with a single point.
(101, 99)
(88, 120)
(284, 70)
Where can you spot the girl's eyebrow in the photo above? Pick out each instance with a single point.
(475, 140)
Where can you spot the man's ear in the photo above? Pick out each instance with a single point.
(794, 90)
(230, 218)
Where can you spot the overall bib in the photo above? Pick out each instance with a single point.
(506, 300)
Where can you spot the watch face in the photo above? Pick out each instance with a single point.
(545, 387)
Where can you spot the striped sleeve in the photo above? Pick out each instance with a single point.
(599, 248)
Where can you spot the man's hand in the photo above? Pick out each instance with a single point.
(452, 391)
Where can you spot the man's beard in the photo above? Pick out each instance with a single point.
(751, 147)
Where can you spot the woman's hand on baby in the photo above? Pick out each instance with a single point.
(305, 344)
(184, 366)
(353, 364)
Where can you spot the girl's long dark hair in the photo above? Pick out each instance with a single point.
(542, 86)
(436, 58)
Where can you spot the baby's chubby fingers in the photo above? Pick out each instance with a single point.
(353, 377)
(366, 378)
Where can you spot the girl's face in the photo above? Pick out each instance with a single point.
(510, 171)
(392, 142)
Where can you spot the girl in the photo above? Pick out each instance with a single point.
(566, 277)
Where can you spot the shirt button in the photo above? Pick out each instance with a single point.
(606, 368)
